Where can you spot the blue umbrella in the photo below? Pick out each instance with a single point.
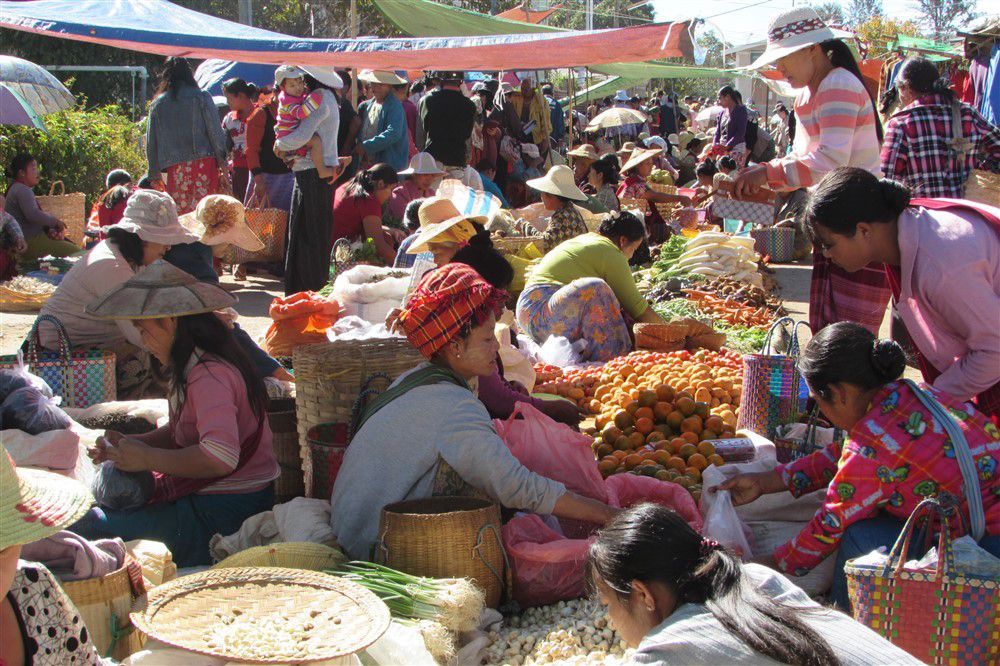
(15, 111)
(35, 86)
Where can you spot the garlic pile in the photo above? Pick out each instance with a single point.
(24, 284)
(569, 632)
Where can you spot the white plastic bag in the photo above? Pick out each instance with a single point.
(723, 525)
(371, 284)
(560, 352)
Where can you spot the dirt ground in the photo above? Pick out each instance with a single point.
(256, 292)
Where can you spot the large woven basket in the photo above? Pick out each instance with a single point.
(329, 377)
(514, 244)
(666, 210)
(70, 208)
(12, 300)
(336, 617)
(281, 414)
(287, 555)
(445, 537)
(327, 448)
(104, 604)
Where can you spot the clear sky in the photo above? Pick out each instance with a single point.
(743, 21)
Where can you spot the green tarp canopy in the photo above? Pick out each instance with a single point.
(928, 47)
(659, 70)
(601, 90)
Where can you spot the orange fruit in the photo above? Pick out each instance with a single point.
(698, 460)
(709, 434)
(676, 444)
(623, 443)
(665, 393)
(619, 455)
(575, 393)
(694, 473)
(636, 440)
(684, 481)
(703, 395)
(690, 437)
(631, 407)
(706, 449)
(644, 426)
(663, 475)
(716, 459)
(661, 411)
(647, 398)
(687, 451)
(664, 428)
(702, 409)
(674, 420)
(644, 413)
(604, 450)
(662, 457)
(685, 406)
(606, 467)
(655, 437)
(677, 463)
(633, 460)
(691, 424)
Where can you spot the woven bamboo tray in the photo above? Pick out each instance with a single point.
(69, 208)
(514, 244)
(287, 555)
(281, 414)
(633, 204)
(329, 376)
(330, 617)
(16, 301)
(445, 537)
(104, 602)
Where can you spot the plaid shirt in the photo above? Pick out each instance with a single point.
(894, 457)
(566, 223)
(916, 150)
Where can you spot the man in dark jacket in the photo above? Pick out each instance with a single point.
(447, 117)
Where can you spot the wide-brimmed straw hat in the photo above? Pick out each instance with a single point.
(380, 76)
(640, 156)
(160, 290)
(325, 75)
(220, 219)
(152, 215)
(441, 222)
(559, 181)
(793, 31)
(584, 150)
(422, 164)
(35, 504)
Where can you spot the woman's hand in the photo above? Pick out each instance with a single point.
(129, 455)
(745, 488)
(260, 187)
(750, 181)
(392, 318)
(99, 453)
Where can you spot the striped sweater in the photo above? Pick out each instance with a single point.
(292, 109)
(836, 128)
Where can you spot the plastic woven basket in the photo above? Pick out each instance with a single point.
(778, 243)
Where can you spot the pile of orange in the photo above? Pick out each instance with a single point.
(663, 434)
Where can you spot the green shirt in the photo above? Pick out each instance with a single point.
(587, 256)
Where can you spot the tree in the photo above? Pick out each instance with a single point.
(701, 87)
(831, 12)
(878, 31)
(943, 17)
(860, 11)
(607, 14)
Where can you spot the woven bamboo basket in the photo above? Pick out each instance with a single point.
(104, 604)
(445, 537)
(287, 555)
(281, 414)
(70, 208)
(329, 377)
(331, 617)
(635, 204)
(666, 210)
(514, 244)
(535, 214)
(12, 300)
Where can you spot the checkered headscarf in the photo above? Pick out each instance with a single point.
(447, 299)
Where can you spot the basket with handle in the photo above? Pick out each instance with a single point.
(771, 385)
(778, 243)
(793, 448)
(104, 603)
(81, 377)
(939, 616)
(269, 224)
(71, 209)
(445, 537)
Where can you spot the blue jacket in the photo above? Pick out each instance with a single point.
(558, 117)
(182, 128)
(391, 143)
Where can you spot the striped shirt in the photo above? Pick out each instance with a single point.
(692, 635)
(292, 109)
(836, 128)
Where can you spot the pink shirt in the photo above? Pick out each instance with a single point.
(403, 195)
(950, 296)
(216, 415)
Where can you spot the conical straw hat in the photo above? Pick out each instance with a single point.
(160, 290)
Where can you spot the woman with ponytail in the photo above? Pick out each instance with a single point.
(934, 142)
(837, 126)
(943, 263)
(897, 453)
(682, 599)
(357, 209)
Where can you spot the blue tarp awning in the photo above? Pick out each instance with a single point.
(211, 74)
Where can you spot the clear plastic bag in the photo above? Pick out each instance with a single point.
(115, 489)
(560, 352)
(18, 377)
(723, 525)
(32, 411)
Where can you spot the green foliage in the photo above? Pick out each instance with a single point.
(607, 14)
(80, 148)
(943, 17)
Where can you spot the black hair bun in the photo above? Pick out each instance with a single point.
(887, 359)
(896, 195)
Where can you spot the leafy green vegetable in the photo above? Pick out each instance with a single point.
(742, 339)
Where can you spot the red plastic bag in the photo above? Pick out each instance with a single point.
(548, 567)
(299, 319)
(553, 450)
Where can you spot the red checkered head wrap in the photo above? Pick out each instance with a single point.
(445, 301)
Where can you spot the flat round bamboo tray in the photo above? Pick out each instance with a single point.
(445, 537)
(329, 377)
(281, 414)
(264, 615)
(287, 555)
(12, 300)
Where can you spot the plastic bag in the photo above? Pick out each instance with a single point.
(115, 489)
(626, 490)
(32, 411)
(723, 525)
(560, 352)
(299, 319)
(371, 284)
(18, 377)
(552, 449)
(546, 566)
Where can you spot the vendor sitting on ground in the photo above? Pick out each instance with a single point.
(419, 184)
(220, 222)
(214, 460)
(110, 206)
(44, 233)
(146, 231)
(897, 453)
(636, 170)
(683, 599)
(431, 419)
(411, 225)
(579, 289)
(558, 194)
(581, 157)
(38, 623)
(443, 230)
(12, 243)
(357, 209)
